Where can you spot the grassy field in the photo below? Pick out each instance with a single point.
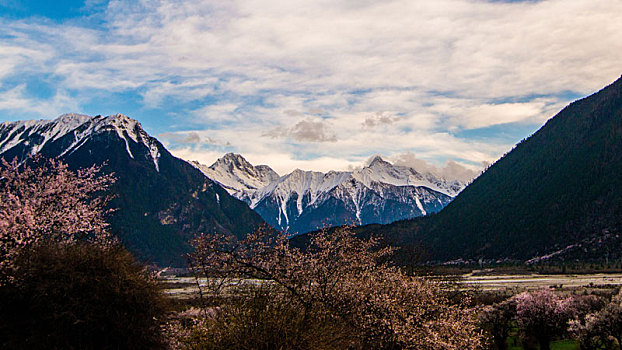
(535, 281)
(185, 287)
(556, 345)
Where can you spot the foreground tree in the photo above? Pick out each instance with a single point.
(338, 293)
(64, 283)
(496, 320)
(80, 296)
(42, 200)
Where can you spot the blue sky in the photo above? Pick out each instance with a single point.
(58, 10)
(316, 85)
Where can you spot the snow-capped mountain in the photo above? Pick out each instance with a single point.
(31, 136)
(239, 177)
(304, 201)
(160, 201)
(382, 171)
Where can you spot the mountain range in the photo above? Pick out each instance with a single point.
(160, 201)
(556, 196)
(303, 201)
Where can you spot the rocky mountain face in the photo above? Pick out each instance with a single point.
(239, 177)
(304, 201)
(160, 201)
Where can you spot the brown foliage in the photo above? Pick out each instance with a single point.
(338, 293)
(601, 329)
(42, 200)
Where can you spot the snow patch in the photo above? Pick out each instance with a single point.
(373, 185)
(81, 128)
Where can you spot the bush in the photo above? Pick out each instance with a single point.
(80, 296)
(496, 320)
(543, 316)
(601, 329)
(337, 294)
(42, 200)
(262, 320)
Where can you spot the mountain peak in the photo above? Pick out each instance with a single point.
(234, 157)
(299, 201)
(232, 160)
(238, 176)
(155, 225)
(122, 121)
(77, 129)
(120, 116)
(73, 118)
(266, 169)
(377, 160)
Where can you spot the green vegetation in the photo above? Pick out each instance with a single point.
(556, 345)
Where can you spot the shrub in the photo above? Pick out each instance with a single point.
(496, 320)
(601, 329)
(338, 293)
(542, 316)
(262, 319)
(80, 296)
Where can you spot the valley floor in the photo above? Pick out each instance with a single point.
(186, 287)
(536, 281)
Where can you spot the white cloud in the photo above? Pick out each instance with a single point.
(385, 77)
(306, 130)
(217, 112)
(451, 170)
(377, 119)
(186, 138)
(20, 105)
(472, 114)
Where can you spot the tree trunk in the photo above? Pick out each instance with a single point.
(500, 343)
(545, 344)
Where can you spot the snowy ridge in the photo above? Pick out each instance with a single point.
(35, 134)
(382, 171)
(301, 182)
(237, 176)
(379, 192)
(50, 130)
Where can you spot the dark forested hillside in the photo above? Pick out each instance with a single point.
(159, 212)
(558, 191)
(160, 202)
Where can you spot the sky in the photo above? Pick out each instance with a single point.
(317, 85)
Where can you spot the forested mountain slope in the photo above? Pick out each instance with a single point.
(557, 193)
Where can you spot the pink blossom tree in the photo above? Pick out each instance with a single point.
(496, 321)
(601, 329)
(338, 278)
(41, 199)
(542, 315)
